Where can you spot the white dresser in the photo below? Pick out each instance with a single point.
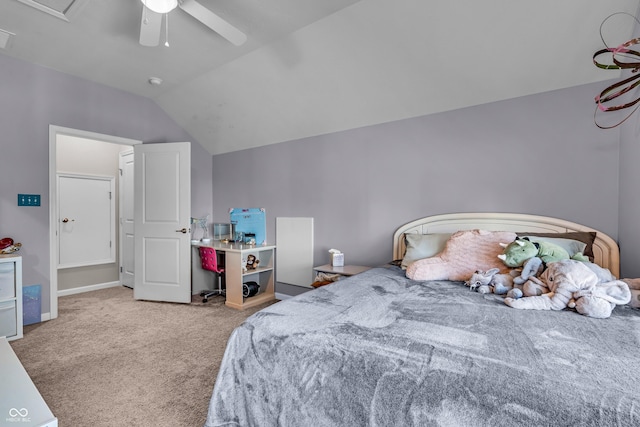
(11, 297)
(20, 401)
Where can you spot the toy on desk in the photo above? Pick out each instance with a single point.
(252, 262)
(7, 246)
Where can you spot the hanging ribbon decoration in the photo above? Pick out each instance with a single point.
(622, 58)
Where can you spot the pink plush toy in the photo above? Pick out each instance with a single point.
(464, 253)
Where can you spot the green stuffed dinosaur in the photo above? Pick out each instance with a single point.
(518, 252)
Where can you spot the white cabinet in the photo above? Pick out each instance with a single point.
(11, 296)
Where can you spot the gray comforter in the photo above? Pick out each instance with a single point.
(378, 349)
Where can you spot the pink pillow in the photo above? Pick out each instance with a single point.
(465, 252)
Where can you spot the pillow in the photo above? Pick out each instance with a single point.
(420, 246)
(569, 245)
(464, 253)
(586, 237)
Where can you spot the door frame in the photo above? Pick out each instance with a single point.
(54, 131)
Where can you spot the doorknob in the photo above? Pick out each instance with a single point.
(183, 231)
(67, 220)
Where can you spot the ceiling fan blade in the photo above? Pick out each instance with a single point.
(213, 21)
(150, 27)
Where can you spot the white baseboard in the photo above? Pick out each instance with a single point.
(87, 288)
(45, 316)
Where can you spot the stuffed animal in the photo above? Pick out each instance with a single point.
(531, 268)
(491, 281)
(571, 280)
(532, 257)
(480, 280)
(8, 246)
(252, 262)
(516, 253)
(508, 283)
(464, 252)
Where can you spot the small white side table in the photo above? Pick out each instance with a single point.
(347, 270)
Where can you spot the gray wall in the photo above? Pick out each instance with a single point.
(31, 99)
(629, 224)
(539, 154)
(629, 174)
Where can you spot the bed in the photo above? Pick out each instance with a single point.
(378, 349)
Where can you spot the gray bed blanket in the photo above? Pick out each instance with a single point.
(378, 349)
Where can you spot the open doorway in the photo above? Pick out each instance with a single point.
(68, 149)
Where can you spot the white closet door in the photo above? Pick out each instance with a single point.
(86, 220)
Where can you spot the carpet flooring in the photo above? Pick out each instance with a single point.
(109, 360)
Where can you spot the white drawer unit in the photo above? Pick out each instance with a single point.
(8, 319)
(11, 296)
(7, 280)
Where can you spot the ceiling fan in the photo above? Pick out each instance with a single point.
(154, 10)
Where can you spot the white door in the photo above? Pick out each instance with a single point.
(126, 218)
(86, 215)
(162, 216)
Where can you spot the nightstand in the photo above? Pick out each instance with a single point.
(347, 270)
(328, 269)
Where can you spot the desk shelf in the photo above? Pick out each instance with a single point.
(234, 255)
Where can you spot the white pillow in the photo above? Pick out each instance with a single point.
(569, 245)
(420, 246)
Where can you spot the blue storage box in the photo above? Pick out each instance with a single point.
(31, 296)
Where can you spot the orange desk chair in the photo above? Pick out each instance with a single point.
(210, 262)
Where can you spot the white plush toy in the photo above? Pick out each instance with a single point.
(491, 281)
(480, 280)
(594, 289)
(515, 284)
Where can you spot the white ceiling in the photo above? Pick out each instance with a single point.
(312, 67)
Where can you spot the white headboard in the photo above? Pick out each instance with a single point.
(605, 249)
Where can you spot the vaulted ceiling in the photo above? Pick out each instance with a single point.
(311, 67)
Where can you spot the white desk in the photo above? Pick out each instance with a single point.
(234, 254)
(20, 401)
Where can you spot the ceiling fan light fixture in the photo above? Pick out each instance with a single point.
(160, 6)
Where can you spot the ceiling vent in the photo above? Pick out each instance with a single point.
(62, 9)
(5, 38)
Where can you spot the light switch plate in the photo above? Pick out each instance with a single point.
(28, 200)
